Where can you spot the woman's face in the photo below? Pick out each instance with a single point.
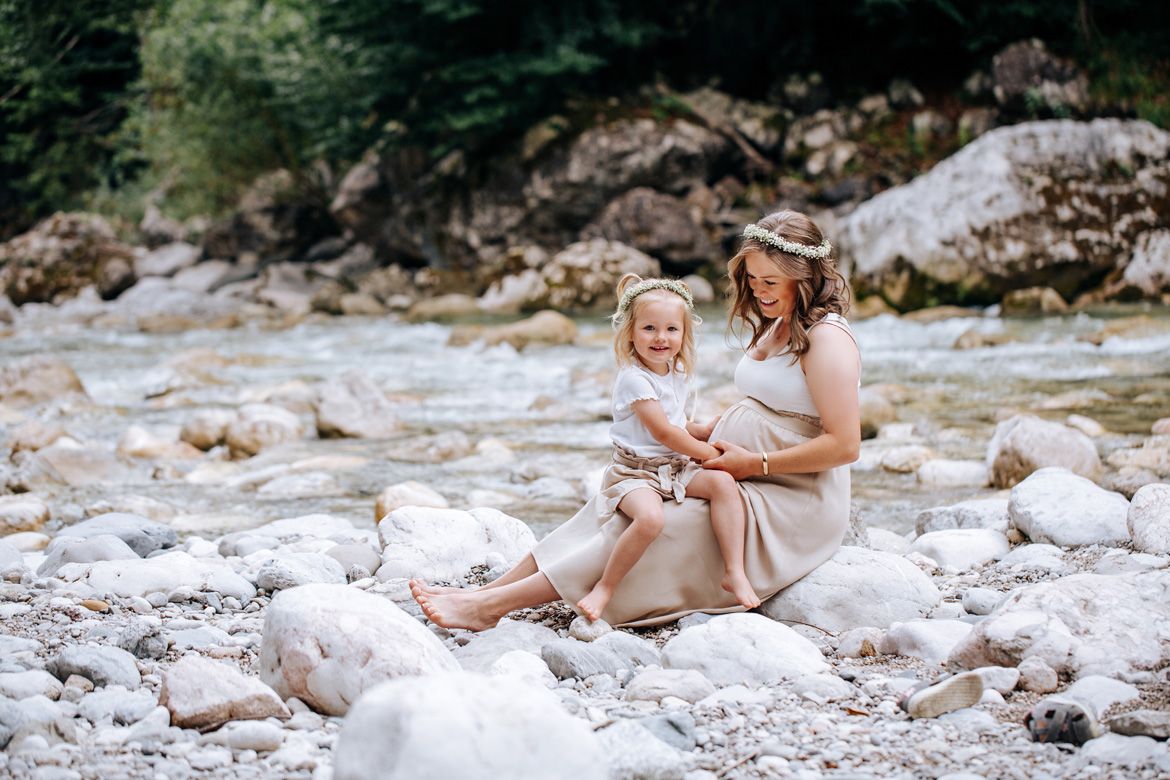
(775, 293)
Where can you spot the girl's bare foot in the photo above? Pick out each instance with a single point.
(456, 610)
(595, 602)
(419, 586)
(737, 584)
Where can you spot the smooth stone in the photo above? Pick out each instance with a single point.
(1142, 723)
(569, 658)
(962, 548)
(201, 693)
(656, 684)
(823, 687)
(1037, 676)
(11, 560)
(27, 541)
(1148, 519)
(120, 706)
(74, 549)
(164, 573)
(946, 473)
(1025, 444)
(586, 630)
(486, 647)
(22, 513)
(1061, 508)
(977, 513)
(856, 587)
(101, 665)
(352, 406)
(634, 751)
(349, 555)
(200, 638)
(930, 640)
(290, 569)
(1037, 557)
(259, 736)
(1003, 679)
(444, 544)
(743, 648)
(886, 541)
(141, 535)
(35, 682)
(504, 728)
(969, 721)
(674, 728)
(1121, 750)
(982, 601)
(860, 642)
(327, 644)
(525, 666)
(1101, 692)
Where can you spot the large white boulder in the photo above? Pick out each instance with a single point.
(1026, 443)
(930, 640)
(489, 727)
(962, 548)
(856, 587)
(1115, 625)
(743, 648)
(201, 694)
(409, 493)
(142, 535)
(444, 544)
(289, 569)
(76, 549)
(1148, 519)
(1058, 507)
(327, 644)
(165, 573)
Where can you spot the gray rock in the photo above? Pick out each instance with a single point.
(656, 684)
(83, 549)
(1056, 506)
(117, 704)
(568, 658)
(1142, 723)
(486, 647)
(101, 665)
(288, 570)
(674, 728)
(856, 587)
(141, 535)
(982, 601)
(1148, 519)
(977, 513)
(631, 651)
(586, 630)
(504, 728)
(743, 648)
(635, 752)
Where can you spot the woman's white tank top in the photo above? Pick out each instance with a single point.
(778, 382)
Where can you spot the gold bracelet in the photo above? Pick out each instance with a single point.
(764, 459)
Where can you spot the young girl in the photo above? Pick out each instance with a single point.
(654, 444)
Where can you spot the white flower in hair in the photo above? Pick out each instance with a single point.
(765, 236)
(646, 285)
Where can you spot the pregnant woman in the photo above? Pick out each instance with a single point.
(789, 443)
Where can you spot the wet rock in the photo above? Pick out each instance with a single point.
(35, 379)
(1026, 443)
(962, 548)
(1148, 519)
(1059, 507)
(409, 493)
(100, 665)
(207, 428)
(163, 573)
(352, 406)
(504, 728)
(76, 549)
(1033, 301)
(1081, 624)
(290, 569)
(507, 636)
(856, 587)
(259, 426)
(444, 544)
(745, 648)
(141, 535)
(200, 693)
(1023, 228)
(656, 684)
(327, 644)
(991, 513)
(22, 513)
(545, 327)
(167, 260)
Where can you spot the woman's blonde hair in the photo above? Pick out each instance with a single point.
(820, 287)
(624, 319)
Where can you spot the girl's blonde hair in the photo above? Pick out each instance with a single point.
(820, 287)
(624, 320)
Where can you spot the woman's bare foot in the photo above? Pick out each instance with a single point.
(419, 586)
(737, 584)
(456, 610)
(595, 602)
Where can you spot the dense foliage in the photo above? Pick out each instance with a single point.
(197, 97)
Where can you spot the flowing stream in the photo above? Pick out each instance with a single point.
(549, 406)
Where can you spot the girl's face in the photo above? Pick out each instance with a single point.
(658, 333)
(775, 293)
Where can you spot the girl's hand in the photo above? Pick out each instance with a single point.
(737, 461)
(703, 432)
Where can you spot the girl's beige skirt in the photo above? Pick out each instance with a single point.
(795, 522)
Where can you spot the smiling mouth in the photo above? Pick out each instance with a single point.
(764, 302)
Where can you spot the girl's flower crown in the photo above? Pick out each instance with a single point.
(765, 236)
(646, 285)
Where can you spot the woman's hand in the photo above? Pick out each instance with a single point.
(735, 460)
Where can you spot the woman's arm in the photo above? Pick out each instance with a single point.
(832, 369)
(650, 412)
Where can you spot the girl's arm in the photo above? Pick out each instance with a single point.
(702, 432)
(832, 369)
(649, 411)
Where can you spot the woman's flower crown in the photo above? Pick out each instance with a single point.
(765, 236)
(646, 285)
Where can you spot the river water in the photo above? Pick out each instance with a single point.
(548, 406)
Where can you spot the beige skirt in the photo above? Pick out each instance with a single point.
(795, 522)
(668, 476)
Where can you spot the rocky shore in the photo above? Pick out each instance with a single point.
(145, 637)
